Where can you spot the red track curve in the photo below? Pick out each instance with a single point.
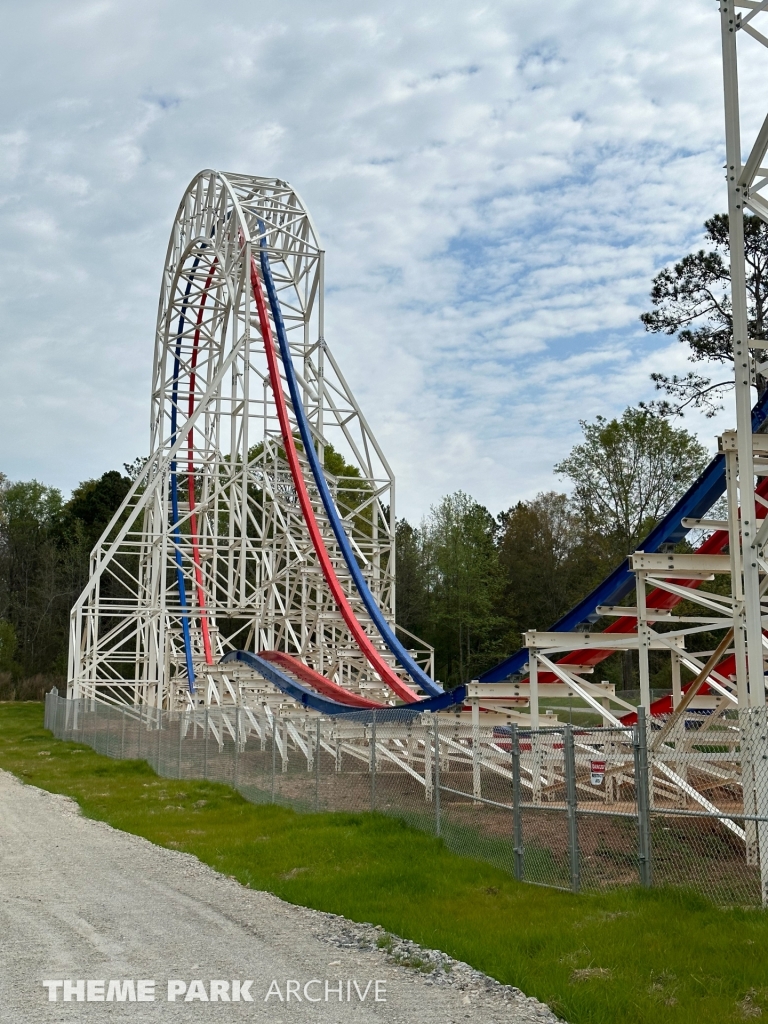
(362, 639)
(325, 686)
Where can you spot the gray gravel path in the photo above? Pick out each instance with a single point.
(81, 900)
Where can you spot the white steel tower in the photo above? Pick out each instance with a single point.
(211, 550)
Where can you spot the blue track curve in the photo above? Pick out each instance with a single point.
(309, 699)
(418, 675)
(696, 501)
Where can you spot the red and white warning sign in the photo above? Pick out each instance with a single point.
(597, 772)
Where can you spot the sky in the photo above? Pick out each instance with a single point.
(495, 186)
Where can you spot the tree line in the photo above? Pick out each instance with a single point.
(45, 546)
(468, 582)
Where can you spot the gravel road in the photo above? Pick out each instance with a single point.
(81, 901)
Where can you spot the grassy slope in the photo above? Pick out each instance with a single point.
(671, 957)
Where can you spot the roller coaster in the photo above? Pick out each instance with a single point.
(236, 546)
(235, 537)
(253, 562)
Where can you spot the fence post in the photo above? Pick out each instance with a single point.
(237, 745)
(437, 776)
(640, 746)
(759, 761)
(569, 758)
(181, 735)
(476, 777)
(373, 760)
(317, 765)
(205, 746)
(141, 713)
(122, 734)
(517, 821)
(274, 754)
(428, 774)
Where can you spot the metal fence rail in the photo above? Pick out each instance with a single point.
(571, 807)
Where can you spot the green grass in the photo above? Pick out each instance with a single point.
(663, 956)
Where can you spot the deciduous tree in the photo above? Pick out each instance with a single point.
(627, 473)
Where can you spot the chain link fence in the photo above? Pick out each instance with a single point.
(565, 806)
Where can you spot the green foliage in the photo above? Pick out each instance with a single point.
(8, 645)
(134, 469)
(412, 596)
(352, 491)
(547, 561)
(45, 546)
(627, 473)
(466, 585)
(471, 585)
(94, 502)
(449, 586)
(30, 595)
(692, 300)
(537, 542)
(633, 956)
(336, 464)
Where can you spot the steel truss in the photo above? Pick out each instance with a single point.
(711, 739)
(210, 541)
(255, 583)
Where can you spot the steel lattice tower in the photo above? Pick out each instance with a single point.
(210, 544)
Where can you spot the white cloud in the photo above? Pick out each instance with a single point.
(495, 189)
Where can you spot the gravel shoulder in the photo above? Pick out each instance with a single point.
(81, 900)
